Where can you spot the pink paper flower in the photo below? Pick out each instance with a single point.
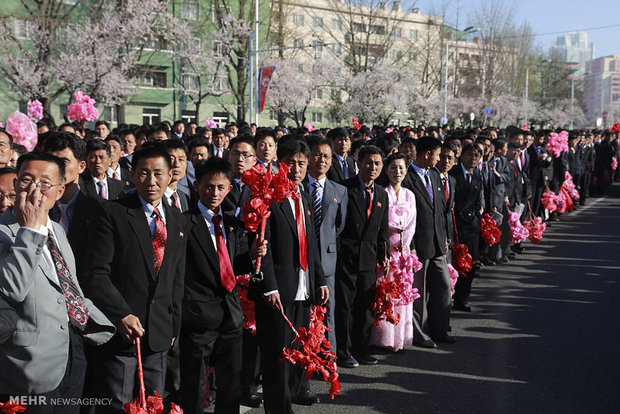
(523, 127)
(454, 276)
(549, 201)
(310, 127)
(210, 123)
(404, 266)
(84, 109)
(389, 130)
(518, 232)
(558, 143)
(614, 163)
(536, 228)
(569, 186)
(1, 125)
(35, 110)
(23, 130)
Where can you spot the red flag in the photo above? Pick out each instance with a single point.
(264, 78)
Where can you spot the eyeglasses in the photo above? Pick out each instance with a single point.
(322, 156)
(25, 182)
(242, 155)
(10, 197)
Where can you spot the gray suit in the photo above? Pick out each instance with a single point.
(333, 215)
(34, 360)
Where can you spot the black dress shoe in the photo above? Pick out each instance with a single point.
(252, 400)
(462, 307)
(446, 339)
(349, 362)
(306, 398)
(368, 360)
(429, 343)
(504, 260)
(487, 262)
(477, 266)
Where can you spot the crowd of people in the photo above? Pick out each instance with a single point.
(107, 236)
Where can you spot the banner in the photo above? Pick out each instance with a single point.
(264, 78)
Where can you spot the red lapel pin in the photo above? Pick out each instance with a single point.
(378, 204)
(181, 234)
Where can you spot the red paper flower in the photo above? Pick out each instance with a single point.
(356, 124)
(175, 409)
(314, 353)
(461, 259)
(489, 231)
(254, 211)
(154, 405)
(247, 306)
(386, 293)
(12, 408)
(615, 127)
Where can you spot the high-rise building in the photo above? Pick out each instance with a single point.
(574, 48)
(602, 86)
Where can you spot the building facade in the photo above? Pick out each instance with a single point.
(602, 87)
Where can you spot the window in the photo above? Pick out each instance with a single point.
(318, 49)
(193, 43)
(337, 48)
(217, 47)
(377, 29)
(24, 29)
(190, 81)
(337, 24)
(396, 54)
(188, 116)
(107, 113)
(317, 22)
(220, 118)
(151, 116)
(220, 84)
(298, 43)
(318, 94)
(153, 79)
(66, 34)
(298, 19)
(336, 94)
(413, 56)
(357, 27)
(398, 32)
(317, 117)
(190, 11)
(413, 34)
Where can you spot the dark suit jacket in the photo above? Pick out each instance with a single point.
(120, 275)
(535, 169)
(333, 214)
(364, 242)
(450, 208)
(467, 204)
(430, 238)
(88, 187)
(281, 265)
(335, 172)
(206, 302)
(494, 186)
(236, 198)
(125, 174)
(84, 210)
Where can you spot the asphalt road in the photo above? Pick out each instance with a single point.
(544, 336)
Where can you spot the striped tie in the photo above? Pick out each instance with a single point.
(316, 207)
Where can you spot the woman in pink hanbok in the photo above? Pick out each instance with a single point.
(403, 262)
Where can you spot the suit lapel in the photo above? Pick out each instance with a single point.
(140, 227)
(172, 231)
(359, 200)
(203, 237)
(417, 183)
(285, 206)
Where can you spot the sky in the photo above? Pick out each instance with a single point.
(548, 16)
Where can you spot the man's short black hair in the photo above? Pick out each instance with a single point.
(158, 128)
(293, 147)
(112, 137)
(102, 123)
(7, 170)
(246, 139)
(498, 143)
(450, 147)
(198, 142)
(3, 131)
(217, 131)
(97, 144)
(426, 144)
(408, 141)
(59, 140)
(316, 140)
(513, 145)
(214, 166)
(150, 152)
(178, 122)
(338, 133)
(174, 144)
(469, 147)
(43, 156)
(368, 150)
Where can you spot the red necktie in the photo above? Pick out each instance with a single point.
(115, 175)
(301, 233)
(522, 160)
(175, 201)
(368, 202)
(227, 276)
(446, 190)
(160, 239)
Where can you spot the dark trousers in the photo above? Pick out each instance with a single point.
(71, 384)
(249, 364)
(220, 348)
(354, 319)
(431, 312)
(586, 182)
(118, 379)
(173, 375)
(281, 382)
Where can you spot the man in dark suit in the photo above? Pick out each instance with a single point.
(117, 170)
(343, 165)
(364, 242)
(177, 194)
(74, 210)
(468, 208)
(447, 158)
(292, 283)
(329, 212)
(135, 274)
(536, 174)
(589, 159)
(96, 182)
(212, 315)
(432, 311)
(219, 140)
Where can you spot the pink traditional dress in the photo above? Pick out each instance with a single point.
(402, 218)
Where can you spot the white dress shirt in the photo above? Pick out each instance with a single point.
(148, 212)
(208, 216)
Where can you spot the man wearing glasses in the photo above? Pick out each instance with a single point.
(45, 356)
(7, 191)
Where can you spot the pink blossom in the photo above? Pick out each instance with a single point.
(210, 123)
(614, 164)
(558, 143)
(517, 231)
(310, 127)
(84, 109)
(23, 130)
(454, 275)
(35, 110)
